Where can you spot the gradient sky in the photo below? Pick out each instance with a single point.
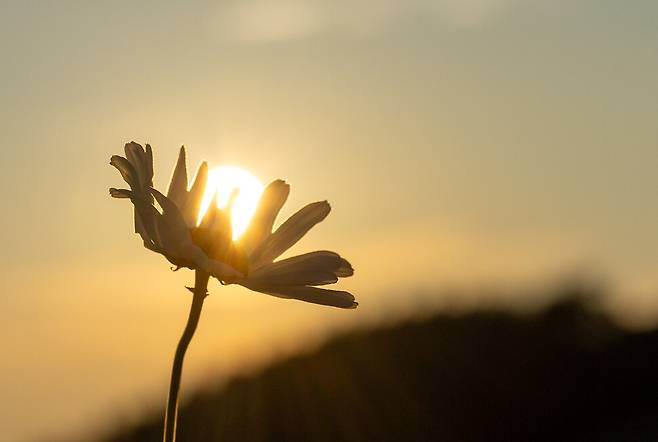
(461, 143)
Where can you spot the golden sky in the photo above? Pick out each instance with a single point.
(459, 143)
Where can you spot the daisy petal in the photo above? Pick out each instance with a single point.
(290, 232)
(126, 169)
(333, 298)
(214, 233)
(171, 227)
(145, 222)
(136, 155)
(195, 196)
(120, 193)
(209, 217)
(176, 241)
(345, 270)
(168, 206)
(178, 184)
(314, 268)
(148, 155)
(271, 202)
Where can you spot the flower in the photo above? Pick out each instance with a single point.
(251, 260)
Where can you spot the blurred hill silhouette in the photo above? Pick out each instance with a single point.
(566, 373)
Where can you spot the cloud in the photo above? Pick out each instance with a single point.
(262, 21)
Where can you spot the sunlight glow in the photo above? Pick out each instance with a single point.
(224, 180)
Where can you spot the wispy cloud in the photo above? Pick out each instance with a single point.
(286, 20)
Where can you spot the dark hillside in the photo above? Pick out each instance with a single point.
(564, 374)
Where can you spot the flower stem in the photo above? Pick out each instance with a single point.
(200, 292)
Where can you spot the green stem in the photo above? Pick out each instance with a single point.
(200, 292)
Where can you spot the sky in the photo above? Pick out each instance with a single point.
(462, 144)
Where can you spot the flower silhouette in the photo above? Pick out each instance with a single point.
(251, 260)
(207, 246)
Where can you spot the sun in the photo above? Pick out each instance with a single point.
(224, 180)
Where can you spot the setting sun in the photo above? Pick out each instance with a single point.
(223, 180)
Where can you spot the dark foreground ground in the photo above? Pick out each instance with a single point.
(564, 374)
